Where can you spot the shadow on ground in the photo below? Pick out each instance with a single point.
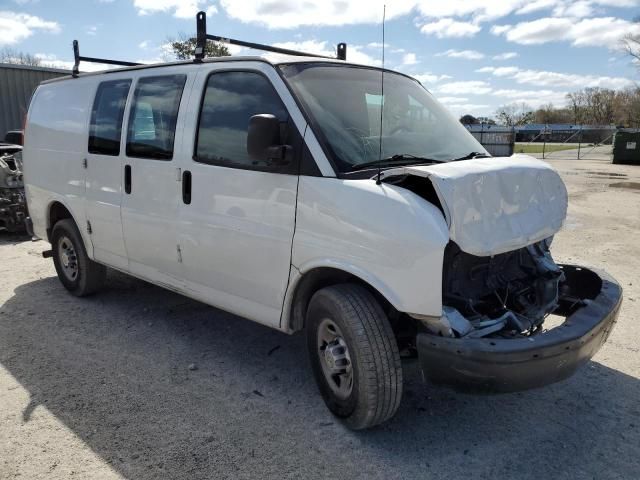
(11, 238)
(114, 368)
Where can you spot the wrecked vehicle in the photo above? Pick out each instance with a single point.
(13, 205)
(316, 195)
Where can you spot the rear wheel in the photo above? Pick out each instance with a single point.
(354, 355)
(76, 271)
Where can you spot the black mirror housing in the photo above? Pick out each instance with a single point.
(263, 140)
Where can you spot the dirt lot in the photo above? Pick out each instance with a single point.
(101, 387)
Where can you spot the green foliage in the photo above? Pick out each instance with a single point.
(184, 47)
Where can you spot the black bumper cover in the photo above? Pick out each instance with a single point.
(508, 365)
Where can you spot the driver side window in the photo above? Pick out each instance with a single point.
(230, 100)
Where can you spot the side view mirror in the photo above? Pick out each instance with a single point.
(264, 143)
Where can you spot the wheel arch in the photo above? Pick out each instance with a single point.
(306, 283)
(56, 211)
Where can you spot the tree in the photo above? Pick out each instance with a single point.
(627, 107)
(183, 48)
(468, 120)
(576, 104)
(593, 106)
(632, 46)
(515, 114)
(550, 114)
(9, 55)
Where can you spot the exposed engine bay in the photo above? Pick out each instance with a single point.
(13, 205)
(507, 295)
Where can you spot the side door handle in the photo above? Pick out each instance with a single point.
(186, 187)
(127, 179)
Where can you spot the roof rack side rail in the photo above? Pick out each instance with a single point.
(77, 59)
(202, 37)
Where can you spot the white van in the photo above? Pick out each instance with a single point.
(284, 192)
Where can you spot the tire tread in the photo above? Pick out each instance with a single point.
(377, 351)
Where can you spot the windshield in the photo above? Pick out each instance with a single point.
(344, 103)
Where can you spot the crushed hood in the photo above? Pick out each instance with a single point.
(495, 205)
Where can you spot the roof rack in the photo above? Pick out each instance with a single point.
(200, 51)
(77, 59)
(203, 36)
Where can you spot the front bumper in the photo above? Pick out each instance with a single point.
(507, 365)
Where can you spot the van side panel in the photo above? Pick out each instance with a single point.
(55, 144)
(387, 236)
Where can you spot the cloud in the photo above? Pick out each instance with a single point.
(535, 98)
(499, 71)
(91, 30)
(52, 61)
(430, 78)
(506, 56)
(181, 8)
(479, 11)
(292, 14)
(144, 44)
(16, 27)
(466, 54)
(354, 53)
(607, 31)
(427, 78)
(536, 5)
(489, 10)
(409, 59)
(377, 45)
(449, 28)
(460, 109)
(451, 18)
(541, 78)
(500, 29)
(470, 87)
(452, 99)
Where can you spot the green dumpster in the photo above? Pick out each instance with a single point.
(626, 146)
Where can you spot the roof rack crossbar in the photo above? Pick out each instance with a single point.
(77, 59)
(203, 36)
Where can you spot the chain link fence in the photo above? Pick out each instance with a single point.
(547, 141)
(568, 142)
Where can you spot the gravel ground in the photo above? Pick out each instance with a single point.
(139, 383)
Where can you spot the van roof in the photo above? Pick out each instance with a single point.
(272, 59)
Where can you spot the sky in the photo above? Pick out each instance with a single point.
(474, 56)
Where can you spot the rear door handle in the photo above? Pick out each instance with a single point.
(186, 187)
(127, 179)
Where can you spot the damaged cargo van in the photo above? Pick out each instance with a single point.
(297, 194)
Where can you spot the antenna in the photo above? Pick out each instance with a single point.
(384, 14)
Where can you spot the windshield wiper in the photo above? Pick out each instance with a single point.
(397, 159)
(472, 155)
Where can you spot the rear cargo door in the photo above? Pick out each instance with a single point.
(151, 178)
(103, 165)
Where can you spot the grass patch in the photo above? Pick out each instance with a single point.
(537, 147)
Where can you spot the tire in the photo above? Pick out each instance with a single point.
(69, 251)
(352, 313)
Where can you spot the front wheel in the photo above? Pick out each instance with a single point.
(354, 355)
(76, 271)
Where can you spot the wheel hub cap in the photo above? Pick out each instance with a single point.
(68, 258)
(334, 358)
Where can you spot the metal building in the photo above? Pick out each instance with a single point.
(17, 84)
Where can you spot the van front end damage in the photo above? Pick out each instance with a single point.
(492, 334)
(501, 290)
